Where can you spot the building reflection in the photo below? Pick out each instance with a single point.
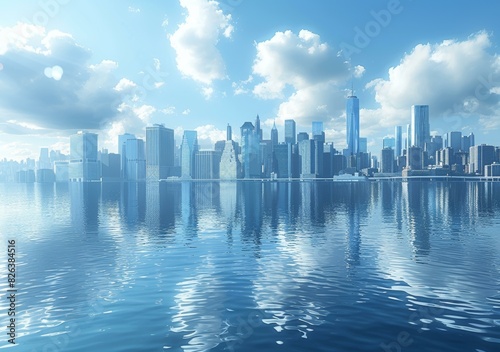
(85, 206)
(416, 197)
(133, 202)
(162, 205)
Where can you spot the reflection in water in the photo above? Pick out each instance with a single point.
(206, 265)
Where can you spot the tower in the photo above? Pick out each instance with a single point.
(352, 119)
(290, 131)
(160, 147)
(274, 135)
(398, 135)
(420, 128)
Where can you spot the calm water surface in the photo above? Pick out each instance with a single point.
(253, 266)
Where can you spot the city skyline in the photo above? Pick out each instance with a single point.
(72, 79)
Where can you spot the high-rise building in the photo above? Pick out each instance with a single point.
(290, 133)
(274, 135)
(84, 165)
(307, 158)
(408, 138)
(420, 128)
(258, 130)
(415, 158)
(317, 131)
(44, 159)
(121, 150)
(388, 142)
(352, 119)
(250, 151)
(189, 147)
(479, 157)
(302, 136)
(207, 164)
(229, 133)
(363, 145)
(282, 154)
(229, 163)
(160, 145)
(467, 142)
(398, 143)
(455, 141)
(387, 163)
(110, 166)
(136, 160)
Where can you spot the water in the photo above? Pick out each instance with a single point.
(251, 266)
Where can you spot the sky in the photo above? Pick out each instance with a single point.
(118, 66)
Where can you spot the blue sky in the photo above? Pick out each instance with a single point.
(117, 66)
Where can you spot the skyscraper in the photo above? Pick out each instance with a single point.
(160, 147)
(455, 141)
(258, 130)
(274, 135)
(189, 147)
(83, 165)
(408, 138)
(480, 156)
(250, 151)
(387, 164)
(352, 119)
(229, 133)
(229, 162)
(398, 136)
(135, 160)
(121, 150)
(363, 145)
(420, 128)
(290, 132)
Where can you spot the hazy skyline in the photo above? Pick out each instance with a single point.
(118, 66)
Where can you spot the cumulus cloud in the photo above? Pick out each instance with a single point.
(208, 135)
(455, 78)
(195, 41)
(304, 71)
(48, 81)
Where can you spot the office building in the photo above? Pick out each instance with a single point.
(282, 160)
(420, 128)
(160, 147)
(229, 133)
(61, 170)
(229, 168)
(290, 131)
(455, 141)
(398, 141)
(467, 142)
(189, 147)
(136, 160)
(363, 145)
(307, 158)
(387, 162)
(415, 158)
(258, 130)
(110, 166)
(83, 165)
(388, 142)
(302, 136)
(352, 120)
(121, 150)
(207, 165)
(479, 157)
(250, 151)
(274, 135)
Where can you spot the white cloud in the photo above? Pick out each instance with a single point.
(195, 41)
(455, 78)
(186, 112)
(144, 112)
(125, 85)
(207, 92)
(156, 64)
(208, 135)
(169, 110)
(164, 24)
(241, 87)
(132, 9)
(159, 84)
(304, 71)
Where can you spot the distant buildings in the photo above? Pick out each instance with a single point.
(83, 163)
(189, 148)
(290, 131)
(159, 152)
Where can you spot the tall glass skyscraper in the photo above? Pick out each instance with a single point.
(274, 135)
(122, 139)
(398, 137)
(420, 128)
(160, 147)
(290, 131)
(83, 165)
(189, 147)
(352, 119)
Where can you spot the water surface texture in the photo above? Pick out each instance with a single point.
(254, 266)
